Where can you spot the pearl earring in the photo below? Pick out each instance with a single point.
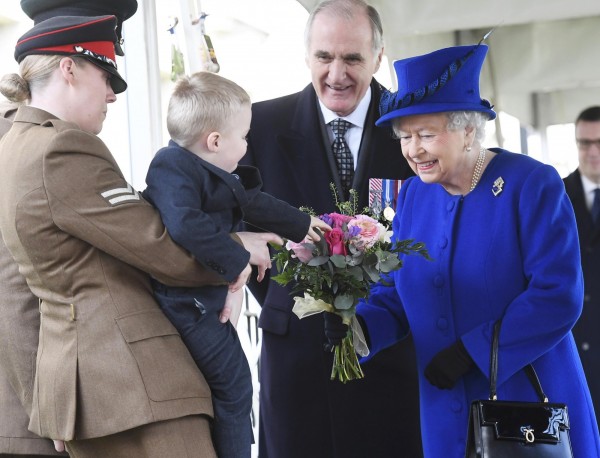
(468, 149)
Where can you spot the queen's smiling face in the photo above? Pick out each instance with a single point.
(436, 154)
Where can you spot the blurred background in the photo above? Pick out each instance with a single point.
(543, 66)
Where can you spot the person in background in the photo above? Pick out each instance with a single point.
(19, 323)
(302, 412)
(499, 252)
(113, 377)
(202, 195)
(583, 188)
(19, 308)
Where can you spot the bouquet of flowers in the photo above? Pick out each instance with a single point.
(337, 271)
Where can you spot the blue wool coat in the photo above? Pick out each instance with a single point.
(514, 255)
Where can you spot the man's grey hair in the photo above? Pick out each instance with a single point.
(347, 9)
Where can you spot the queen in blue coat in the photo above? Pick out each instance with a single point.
(503, 238)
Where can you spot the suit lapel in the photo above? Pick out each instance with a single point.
(367, 143)
(585, 226)
(329, 153)
(308, 139)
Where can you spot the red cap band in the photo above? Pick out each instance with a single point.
(104, 48)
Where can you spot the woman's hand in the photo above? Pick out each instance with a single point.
(233, 307)
(241, 279)
(447, 366)
(59, 446)
(257, 244)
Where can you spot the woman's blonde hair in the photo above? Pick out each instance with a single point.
(202, 103)
(35, 71)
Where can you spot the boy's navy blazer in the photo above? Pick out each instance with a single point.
(201, 204)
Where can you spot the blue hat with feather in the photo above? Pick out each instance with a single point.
(441, 81)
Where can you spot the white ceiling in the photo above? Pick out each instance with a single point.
(543, 64)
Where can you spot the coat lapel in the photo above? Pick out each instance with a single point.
(367, 142)
(308, 140)
(585, 226)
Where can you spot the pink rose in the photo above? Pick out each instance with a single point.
(300, 250)
(335, 241)
(338, 220)
(370, 231)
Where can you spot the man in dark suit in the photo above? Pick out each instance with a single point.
(302, 412)
(583, 187)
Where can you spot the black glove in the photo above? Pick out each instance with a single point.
(335, 329)
(448, 366)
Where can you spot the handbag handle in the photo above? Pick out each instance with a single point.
(531, 374)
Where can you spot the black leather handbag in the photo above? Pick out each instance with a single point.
(515, 429)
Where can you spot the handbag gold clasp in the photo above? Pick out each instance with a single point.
(529, 436)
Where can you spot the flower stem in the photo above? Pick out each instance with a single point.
(345, 362)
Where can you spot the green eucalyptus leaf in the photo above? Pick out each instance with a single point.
(318, 261)
(371, 272)
(356, 272)
(343, 302)
(338, 260)
(321, 244)
(389, 264)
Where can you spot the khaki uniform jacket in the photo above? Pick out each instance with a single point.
(19, 323)
(108, 359)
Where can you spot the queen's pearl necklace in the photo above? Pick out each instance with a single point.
(478, 169)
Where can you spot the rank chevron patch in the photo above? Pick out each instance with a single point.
(118, 196)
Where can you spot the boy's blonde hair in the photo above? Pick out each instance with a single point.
(202, 103)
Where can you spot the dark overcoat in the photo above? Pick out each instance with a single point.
(302, 412)
(585, 331)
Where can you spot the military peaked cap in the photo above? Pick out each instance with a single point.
(40, 10)
(92, 38)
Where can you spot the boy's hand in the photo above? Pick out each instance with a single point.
(316, 222)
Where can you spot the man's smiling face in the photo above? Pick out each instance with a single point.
(341, 60)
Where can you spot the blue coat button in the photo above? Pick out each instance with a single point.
(456, 405)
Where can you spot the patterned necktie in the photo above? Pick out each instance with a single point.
(596, 208)
(342, 154)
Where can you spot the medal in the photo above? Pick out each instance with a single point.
(389, 213)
